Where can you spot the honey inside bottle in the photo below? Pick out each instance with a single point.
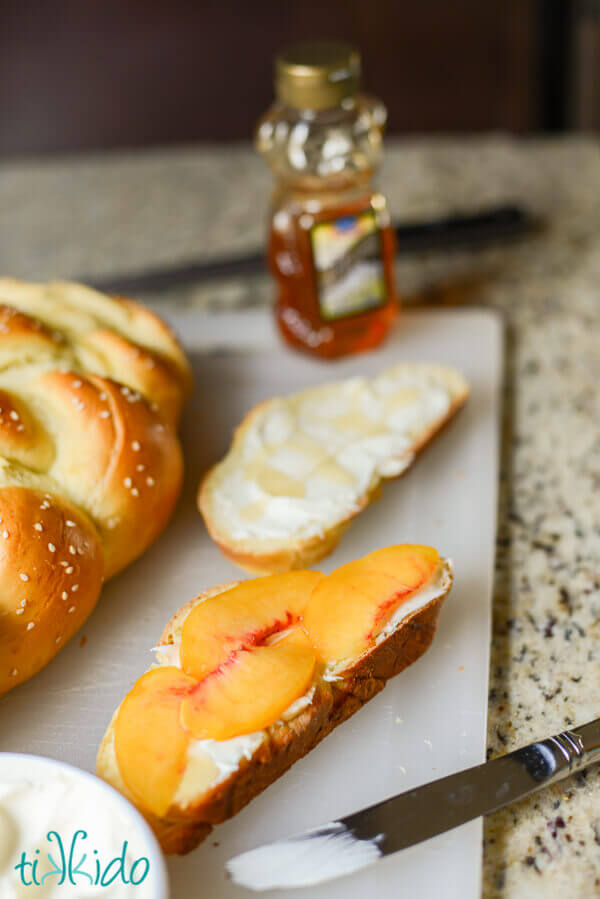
(331, 243)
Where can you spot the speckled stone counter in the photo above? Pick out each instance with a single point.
(99, 215)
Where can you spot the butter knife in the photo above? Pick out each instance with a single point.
(360, 839)
(455, 231)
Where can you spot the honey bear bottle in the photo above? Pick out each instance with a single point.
(331, 243)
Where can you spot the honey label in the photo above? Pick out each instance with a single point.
(347, 258)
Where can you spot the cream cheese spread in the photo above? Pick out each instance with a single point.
(59, 835)
(303, 463)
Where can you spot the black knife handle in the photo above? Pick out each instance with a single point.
(455, 231)
(487, 226)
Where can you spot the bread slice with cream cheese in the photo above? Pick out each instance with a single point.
(302, 467)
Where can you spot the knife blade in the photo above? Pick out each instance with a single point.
(362, 838)
(500, 223)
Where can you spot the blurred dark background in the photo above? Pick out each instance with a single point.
(84, 74)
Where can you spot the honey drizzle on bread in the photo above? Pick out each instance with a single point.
(301, 467)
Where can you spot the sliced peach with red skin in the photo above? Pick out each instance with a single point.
(353, 604)
(150, 743)
(251, 689)
(243, 617)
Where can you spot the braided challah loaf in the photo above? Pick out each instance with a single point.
(91, 390)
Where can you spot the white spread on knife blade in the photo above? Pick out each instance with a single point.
(310, 858)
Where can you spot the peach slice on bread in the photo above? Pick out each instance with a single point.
(251, 690)
(244, 661)
(150, 743)
(267, 669)
(350, 607)
(243, 617)
(249, 656)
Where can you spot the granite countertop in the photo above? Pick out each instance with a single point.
(104, 214)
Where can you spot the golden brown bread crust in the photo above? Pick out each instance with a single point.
(182, 829)
(91, 390)
(302, 553)
(49, 600)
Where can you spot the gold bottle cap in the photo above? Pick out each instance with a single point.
(317, 75)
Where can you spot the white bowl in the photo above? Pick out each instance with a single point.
(95, 795)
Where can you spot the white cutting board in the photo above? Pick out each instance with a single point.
(428, 722)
